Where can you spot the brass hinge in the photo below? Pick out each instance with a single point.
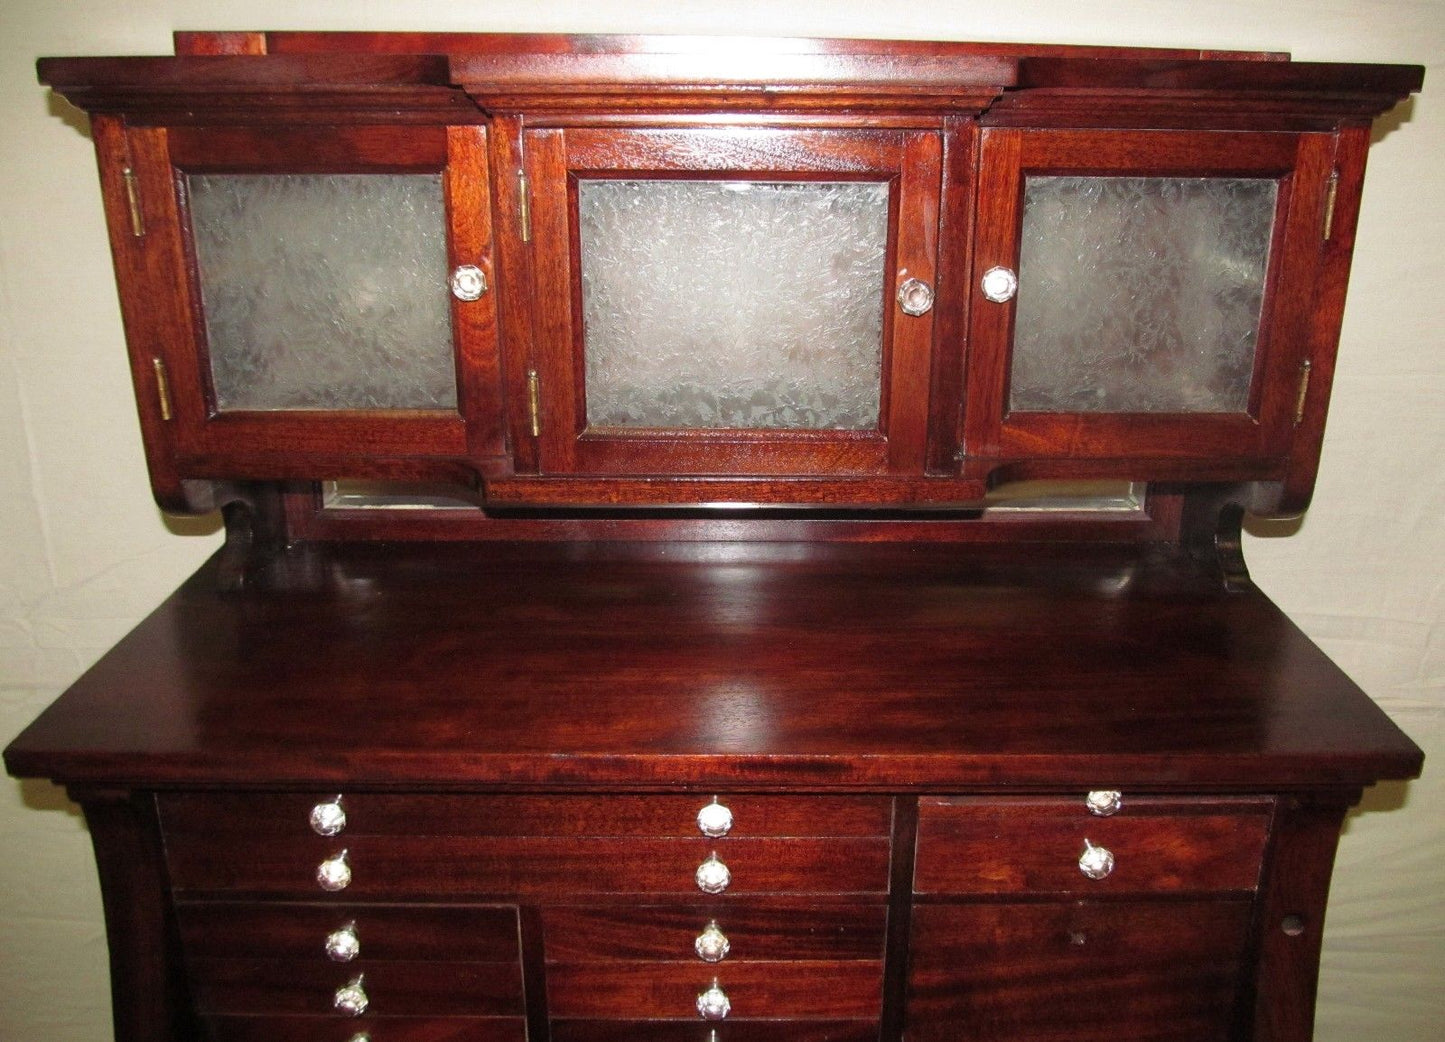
(525, 206)
(534, 402)
(163, 387)
(1305, 369)
(1331, 194)
(132, 198)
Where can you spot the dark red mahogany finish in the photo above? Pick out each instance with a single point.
(901, 696)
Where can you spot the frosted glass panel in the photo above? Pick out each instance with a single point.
(325, 291)
(733, 304)
(1140, 294)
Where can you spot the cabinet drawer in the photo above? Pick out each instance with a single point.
(281, 930)
(717, 1031)
(241, 987)
(1147, 971)
(753, 931)
(1002, 846)
(380, 814)
(647, 990)
(379, 1029)
(421, 866)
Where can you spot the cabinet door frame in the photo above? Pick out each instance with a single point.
(1254, 440)
(339, 442)
(557, 160)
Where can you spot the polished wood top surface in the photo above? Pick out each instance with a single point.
(668, 665)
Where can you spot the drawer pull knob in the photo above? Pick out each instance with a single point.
(915, 297)
(1104, 802)
(712, 944)
(361, 1036)
(713, 1003)
(334, 873)
(351, 998)
(714, 820)
(343, 945)
(328, 819)
(999, 285)
(1096, 862)
(468, 282)
(713, 876)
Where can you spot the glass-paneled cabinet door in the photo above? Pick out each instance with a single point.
(340, 285)
(1142, 295)
(732, 301)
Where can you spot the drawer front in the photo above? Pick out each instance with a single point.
(378, 1029)
(406, 866)
(1147, 971)
(752, 931)
(375, 814)
(720, 1031)
(1002, 846)
(295, 930)
(647, 990)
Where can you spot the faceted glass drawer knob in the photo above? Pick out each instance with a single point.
(334, 873)
(713, 876)
(1104, 802)
(328, 819)
(468, 282)
(343, 945)
(712, 944)
(714, 820)
(1096, 862)
(713, 1004)
(915, 297)
(351, 998)
(999, 285)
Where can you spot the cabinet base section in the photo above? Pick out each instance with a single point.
(718, 1031)
(375, 1029)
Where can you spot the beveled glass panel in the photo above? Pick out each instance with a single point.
(325, 291)
(1140, 294)
(733, 304)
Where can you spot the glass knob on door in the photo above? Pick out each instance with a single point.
(469, 282)
(999, 285)
(915, 297)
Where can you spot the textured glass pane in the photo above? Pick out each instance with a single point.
(733, 304)
(325, 291)
(1140, 294)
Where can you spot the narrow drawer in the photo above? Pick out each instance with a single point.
(752, 931)
(1019, 846)
(242, 987)
(380, 814)
(654, 990)
(1147, 971)
(399, 867)
(378, 1029)
(719, 1031)
(294, 930)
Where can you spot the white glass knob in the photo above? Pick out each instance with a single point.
(712, 944)
(468, 282)
(351, 998)
(328, 819)
(713, 876)
(1096, 862)
(1104, 802)
(343, 945)
(915, 297)
(714, 820)
(713, 1003)
(361, 1036)
(334, 873)
(999, 285)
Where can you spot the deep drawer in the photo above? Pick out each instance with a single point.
(379, 1029)
(1017, 846)
(753, 931)
(647, 990)
(430, 866)
(722, 1031)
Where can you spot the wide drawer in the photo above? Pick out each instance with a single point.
(294, 930)
(723, 1031)
(1019, 846)
(381, 814)
(1081, 971)
(755, 930)
(377, 1029)
(647, 990)
(430, 866)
